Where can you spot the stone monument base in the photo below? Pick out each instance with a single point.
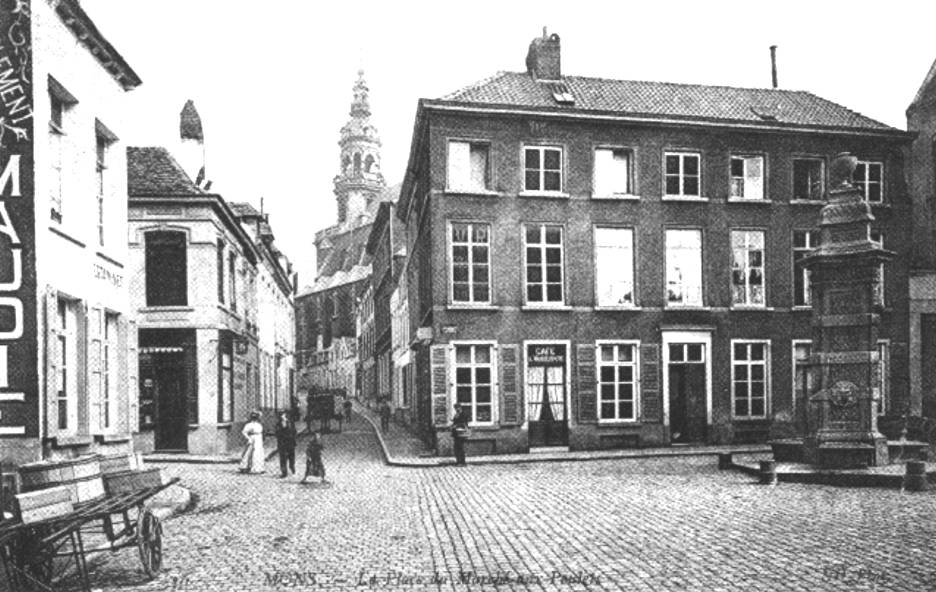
(868, 450)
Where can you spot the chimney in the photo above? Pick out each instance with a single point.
(543, 57)
(773, 64)
(192, 145)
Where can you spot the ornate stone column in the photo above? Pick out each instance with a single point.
(847, 298)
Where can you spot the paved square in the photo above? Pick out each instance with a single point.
(654, 524)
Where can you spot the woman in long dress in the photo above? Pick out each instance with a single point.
(254, 457)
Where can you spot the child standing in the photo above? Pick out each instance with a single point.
(314, 465)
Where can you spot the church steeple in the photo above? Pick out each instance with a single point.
(359, 182)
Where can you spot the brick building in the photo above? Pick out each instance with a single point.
(67, 360)
(602, 263)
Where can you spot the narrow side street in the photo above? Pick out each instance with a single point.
(653, 524)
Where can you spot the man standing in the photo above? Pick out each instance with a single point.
(384, 415)
(460, 433)
(286, 443)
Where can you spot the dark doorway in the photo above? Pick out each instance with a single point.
(687, 392)
(546, 395)
(168, 399)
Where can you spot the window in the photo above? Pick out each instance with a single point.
(543, 168)
(684, 267)
(869, 178)
(221, 284)
(104, 139)
(749, 371)
(166, 283)
(883, 348)
(804, 241)
(67, 390)
(808, 179)
(802, 381)
(543, 252)
(471, 263)
(612, 172)
(232, 279)
(56, 140)
(225, 379)
(878, 239)
(617, 381)
(747, 177)
(747, 267)
(682, 174)
(474, 371)
(614, 266)
(469, 166)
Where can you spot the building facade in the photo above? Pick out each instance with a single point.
(214, 306)
(598, 263)
(327, 310)
(67, 358)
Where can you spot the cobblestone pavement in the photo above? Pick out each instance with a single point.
(653, 524)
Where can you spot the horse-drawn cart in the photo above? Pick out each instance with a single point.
(51, 535)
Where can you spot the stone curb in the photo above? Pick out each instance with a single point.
(513, 459)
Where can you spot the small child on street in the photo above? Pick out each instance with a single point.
(314, 465)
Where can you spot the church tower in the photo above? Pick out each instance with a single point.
(359, 183)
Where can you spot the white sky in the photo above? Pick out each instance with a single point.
(272, 78)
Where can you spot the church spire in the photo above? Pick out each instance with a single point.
(359, 182)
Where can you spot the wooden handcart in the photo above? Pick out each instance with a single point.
(51, 537)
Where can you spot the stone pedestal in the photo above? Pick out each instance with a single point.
(847, 298)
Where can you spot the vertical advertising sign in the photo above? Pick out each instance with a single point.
(19, 378)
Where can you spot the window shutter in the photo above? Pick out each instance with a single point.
(650, 396)
(438, 362)
(52, 355)
(128, 400)
(585, 379)
(459, 165)
(82, 343)
(511, 400)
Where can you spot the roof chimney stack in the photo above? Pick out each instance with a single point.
(773, 64)
(543, 57)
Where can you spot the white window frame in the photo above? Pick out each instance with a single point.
(451, 181)
(748, 194)
(598, 185)
(748, 286)
(877, 237)
(57, 137)
(454, 365)
(568, 377)
(863, 183)
(682, 195)
(542, 149)
(470, 244)
(704, 338)
(630, 253)
(700, 302)
(766, 363)
(542, 246)
(793, 365)
(634, 364)
(67, 380)
(110, 327)
(812, 241)
(822, 179)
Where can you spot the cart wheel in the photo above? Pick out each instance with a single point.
(149, 542)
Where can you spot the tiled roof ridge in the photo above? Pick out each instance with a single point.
(163, 153)
(477, 84)
(848, 109)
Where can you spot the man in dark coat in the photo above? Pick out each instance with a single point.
(460, 433)
(286, 443)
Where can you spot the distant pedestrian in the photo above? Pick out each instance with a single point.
(347, 409)
(253, 457)
(286, 444)
(459, 433)
(384, 415)
(314, 465)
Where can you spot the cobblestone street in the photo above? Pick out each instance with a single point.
(653, 524)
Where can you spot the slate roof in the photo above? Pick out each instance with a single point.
(666, 100)
(347, 260)
(152, 171)
(244, 209)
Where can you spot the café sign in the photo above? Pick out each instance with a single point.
(553, 354)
